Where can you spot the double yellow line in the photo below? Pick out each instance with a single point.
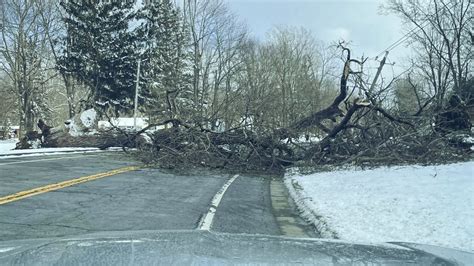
(67, 183)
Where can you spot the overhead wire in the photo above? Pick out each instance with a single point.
(410, 32)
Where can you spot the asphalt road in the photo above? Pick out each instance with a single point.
(98, 208)
(143, 199)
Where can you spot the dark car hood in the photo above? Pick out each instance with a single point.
(209, 248)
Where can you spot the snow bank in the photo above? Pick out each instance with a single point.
(42, 151)
(53, 151)
(421, 204)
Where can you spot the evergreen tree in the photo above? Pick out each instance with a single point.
(100, 51)
(164, 59)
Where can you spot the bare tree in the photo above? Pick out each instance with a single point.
(442, 41)
(286, 78)
(216, 37)
(51, 19)
(23, 47)
(8, 112)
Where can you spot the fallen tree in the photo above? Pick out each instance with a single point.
(80, 131)
(362, 132)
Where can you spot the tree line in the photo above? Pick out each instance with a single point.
(199, 65)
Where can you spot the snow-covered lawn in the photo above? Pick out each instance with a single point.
(7, 145)
(421, 204)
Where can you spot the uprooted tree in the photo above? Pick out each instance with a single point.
(357, 130)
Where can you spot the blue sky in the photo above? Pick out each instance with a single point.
(358, 21)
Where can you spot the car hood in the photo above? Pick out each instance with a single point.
(210, 248)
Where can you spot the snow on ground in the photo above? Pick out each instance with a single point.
(45, 150)
(421, 204)
(7, 145)
(53, 151)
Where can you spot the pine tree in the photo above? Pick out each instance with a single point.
(101, 51)
(164, 59)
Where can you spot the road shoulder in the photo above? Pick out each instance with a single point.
(285, 212)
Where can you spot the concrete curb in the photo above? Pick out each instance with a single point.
(285, 218)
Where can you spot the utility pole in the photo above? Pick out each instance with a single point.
(136, 96)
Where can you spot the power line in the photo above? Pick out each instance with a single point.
(410, 32)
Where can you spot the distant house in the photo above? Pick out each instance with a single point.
(127, 123)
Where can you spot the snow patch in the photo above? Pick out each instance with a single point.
(470, 141)
(7, 145)
(304, 139)
(84, 125)
(146, 138)
(3, 250)
(43, 151)
(421, 204)
(35, 144)
(74, 129)
(88, 118)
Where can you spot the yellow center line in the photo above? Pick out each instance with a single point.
(67, 183)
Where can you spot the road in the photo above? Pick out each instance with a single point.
(108, 209)
(76, 194)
